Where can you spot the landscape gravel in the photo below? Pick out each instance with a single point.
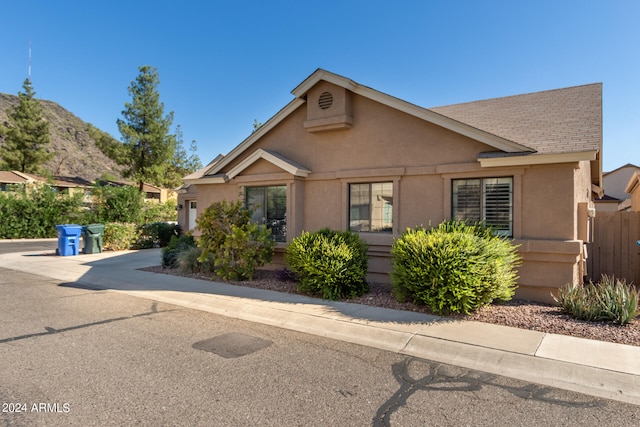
(516, 313)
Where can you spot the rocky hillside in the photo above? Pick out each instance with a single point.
(72, 140)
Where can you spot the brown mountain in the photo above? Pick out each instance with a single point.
(72, 141)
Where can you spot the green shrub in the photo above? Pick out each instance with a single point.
(610, 300)
(153, 211)
(156, 235)
(119, 236)
(454, 267)
(330, 263)
(121, 204)
(236, 244)
(190, 260)
(34, 210)
(114, 203)
(176, 245)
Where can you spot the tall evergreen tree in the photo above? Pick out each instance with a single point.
(182, 164)
(148, 146)
(26, 134)
(193, 162)
(178, 167)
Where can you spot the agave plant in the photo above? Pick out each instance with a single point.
(610, 300)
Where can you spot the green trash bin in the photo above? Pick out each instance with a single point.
(92, 237)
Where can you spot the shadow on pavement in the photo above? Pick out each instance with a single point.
(120, 271)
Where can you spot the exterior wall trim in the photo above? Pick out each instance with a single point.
(537, 159)
(215, 179)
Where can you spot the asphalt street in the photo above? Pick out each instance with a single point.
(72, 355)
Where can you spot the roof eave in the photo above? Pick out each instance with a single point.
(537, 159)
(273, 158)
(301, 90)
(425, 114)
(215, 179)
(262, 130)
(633, 184)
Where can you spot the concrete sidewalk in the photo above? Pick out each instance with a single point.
(592, 367)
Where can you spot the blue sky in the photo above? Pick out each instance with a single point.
(223, 65)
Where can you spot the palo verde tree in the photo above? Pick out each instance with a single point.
(148, 147)
(26, 134)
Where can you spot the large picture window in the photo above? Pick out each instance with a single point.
(268, 205)
(487, 199)
(371, 207)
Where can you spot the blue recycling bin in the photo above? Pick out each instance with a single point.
(68, 239)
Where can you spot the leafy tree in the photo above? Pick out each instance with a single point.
(148, 148)
(26, 134)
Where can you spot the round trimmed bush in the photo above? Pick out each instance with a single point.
(329, 263)
(453, 267)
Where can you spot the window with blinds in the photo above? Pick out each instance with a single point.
(488, 199)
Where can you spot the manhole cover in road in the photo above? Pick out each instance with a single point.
(232, 345)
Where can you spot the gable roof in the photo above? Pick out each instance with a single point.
(270, 156)
(11, 177)
(628, 165)
(543, 127)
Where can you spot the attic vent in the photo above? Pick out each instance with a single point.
(325, 101)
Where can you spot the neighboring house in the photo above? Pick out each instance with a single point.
(151, 192)
(74, 184)
(9, 178)
(614, 184)
(60, 183)
(633, 189)
(345, 156)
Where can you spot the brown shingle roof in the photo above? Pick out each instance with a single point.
(555, 121)
(9, 177)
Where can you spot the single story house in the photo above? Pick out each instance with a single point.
(77, 184)
(346, 156)
(152, 193)
(60, 183)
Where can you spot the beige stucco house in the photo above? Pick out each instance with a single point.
(346, 156)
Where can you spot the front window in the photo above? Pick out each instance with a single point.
(489, 200)
(371, 207)
(268, 206)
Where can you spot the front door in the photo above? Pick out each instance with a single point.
(192, 214)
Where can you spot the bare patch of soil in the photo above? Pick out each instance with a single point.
(517, 313)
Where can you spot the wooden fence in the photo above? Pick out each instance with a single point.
(614, 250)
